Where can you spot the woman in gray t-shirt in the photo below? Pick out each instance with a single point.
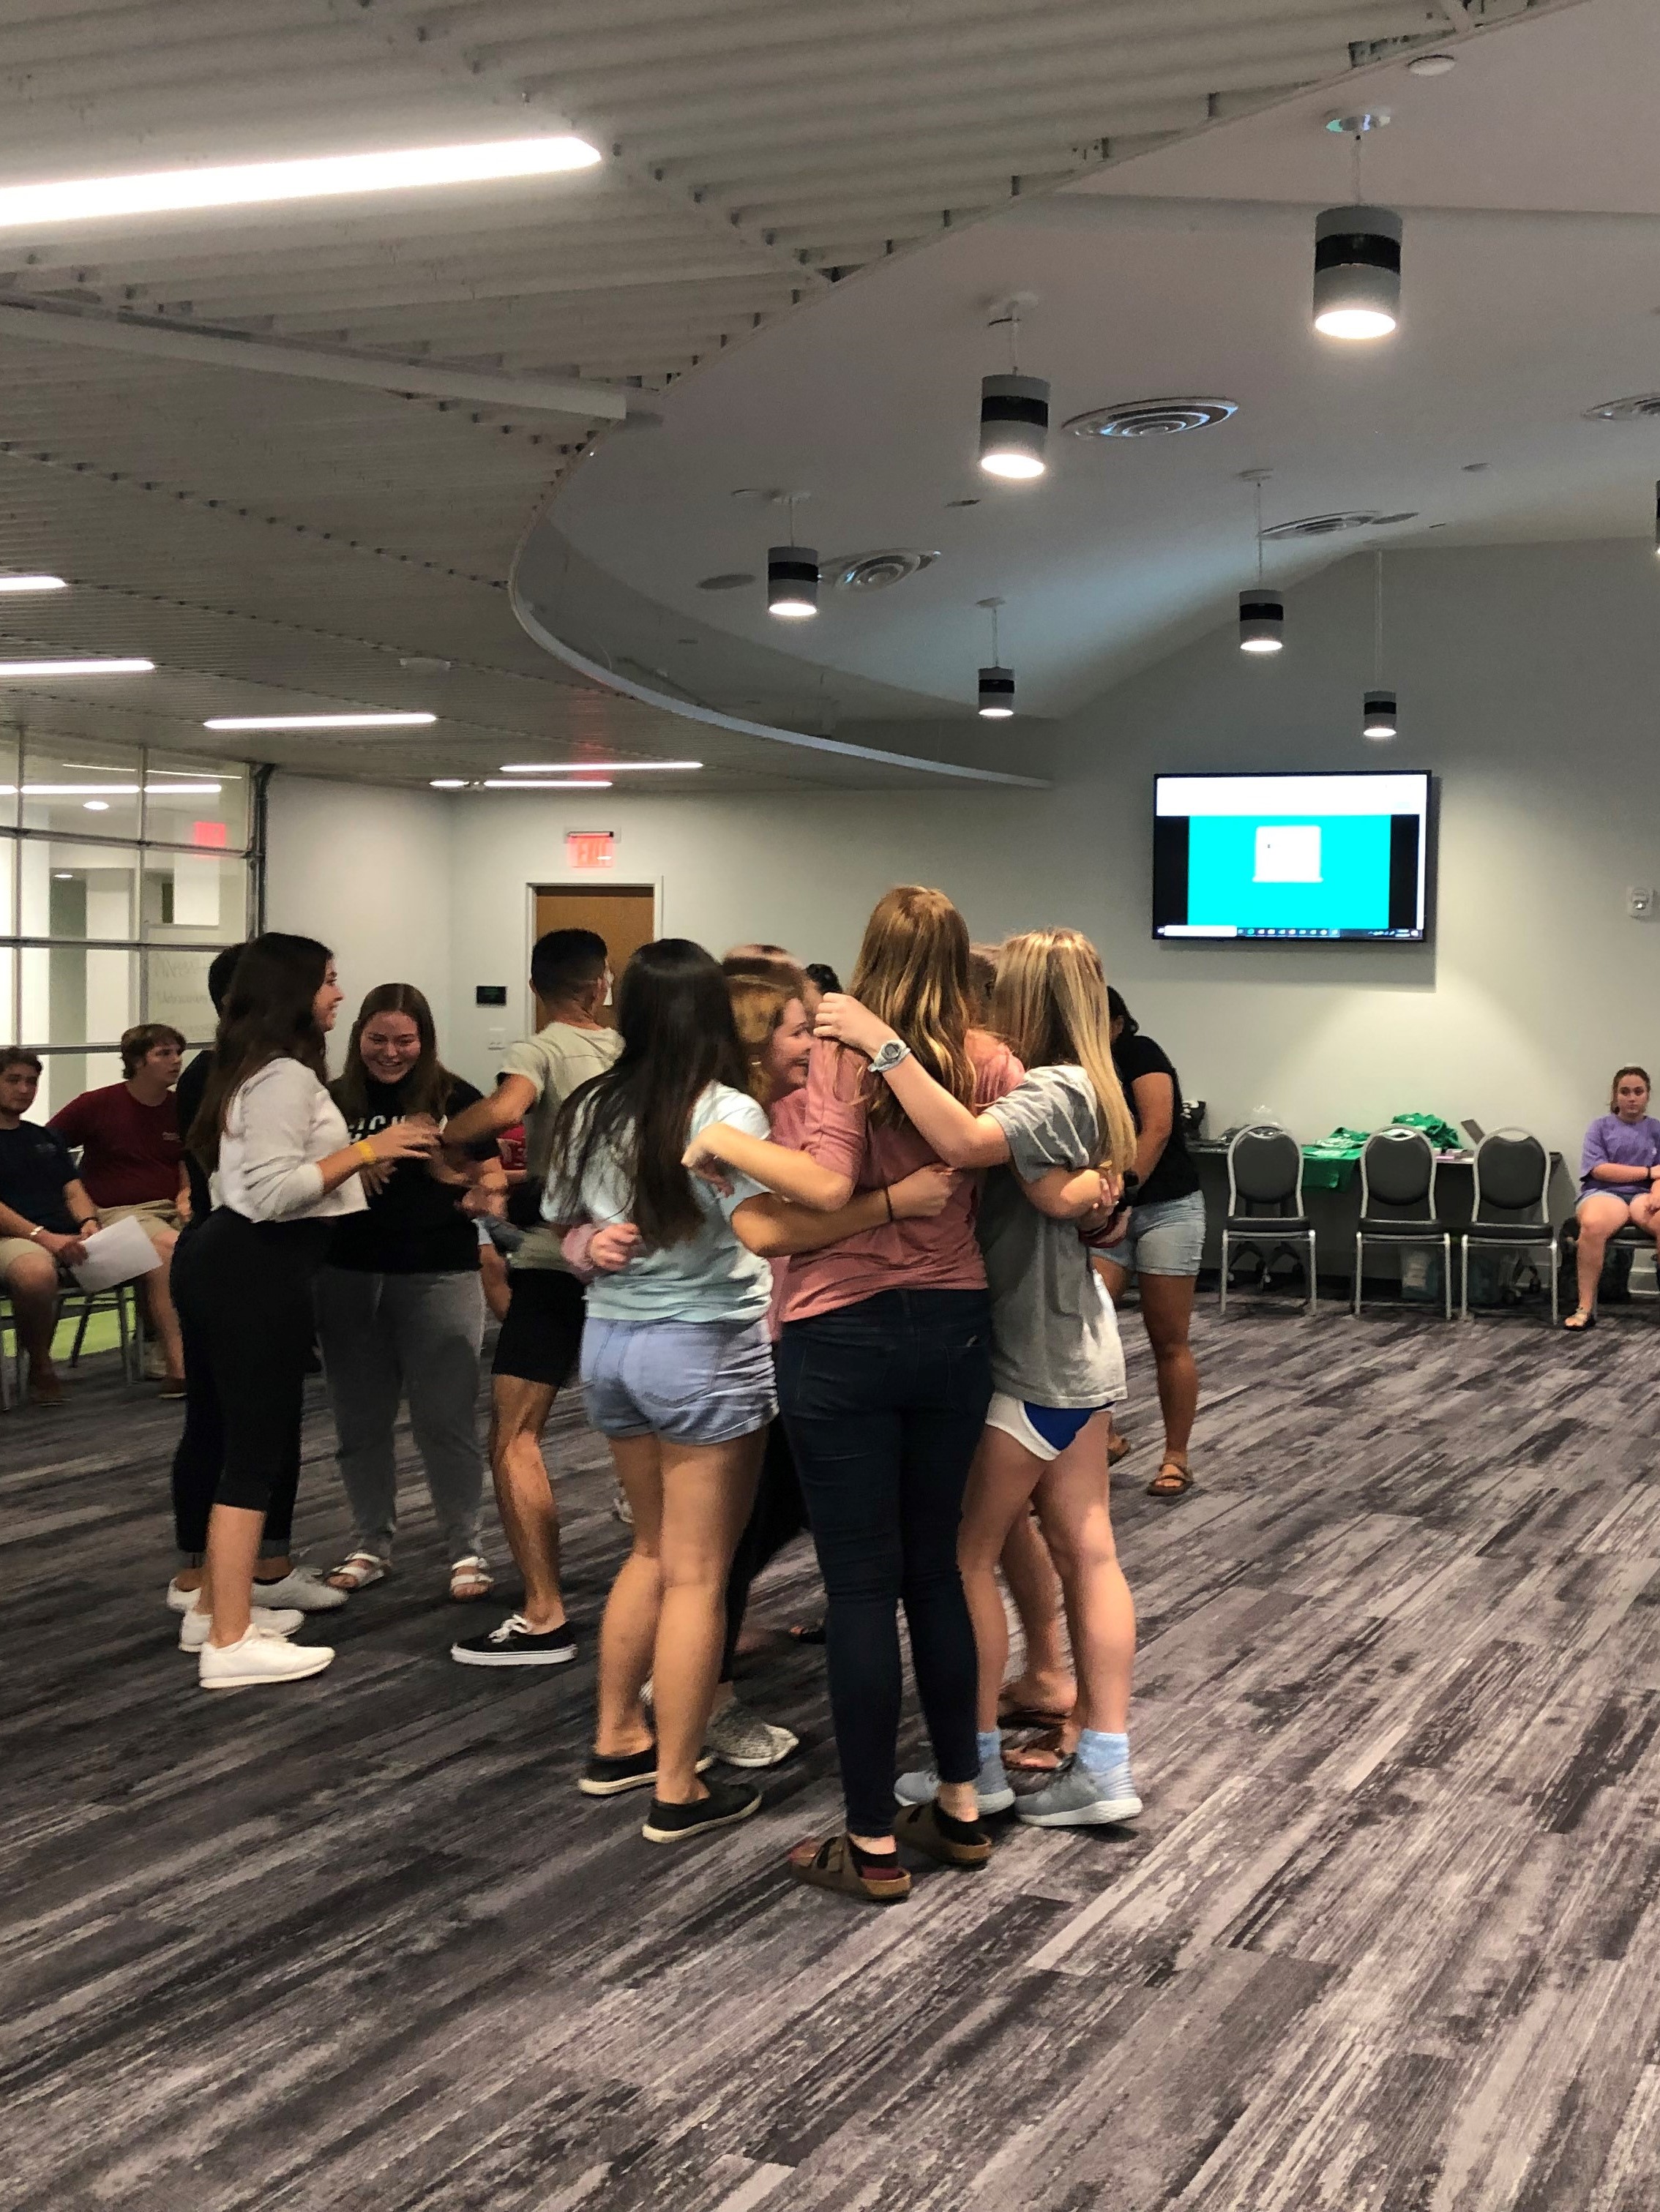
(1053, 1144)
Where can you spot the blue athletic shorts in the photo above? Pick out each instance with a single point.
(1043, 1430)
(695, 1383)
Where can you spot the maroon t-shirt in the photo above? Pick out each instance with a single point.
(129, 1153)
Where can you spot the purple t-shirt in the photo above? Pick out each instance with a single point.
(1619, 1144)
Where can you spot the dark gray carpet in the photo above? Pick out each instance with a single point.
(1386, 1939)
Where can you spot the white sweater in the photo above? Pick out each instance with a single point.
(281, 1123)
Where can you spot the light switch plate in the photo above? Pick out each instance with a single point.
(496, 1040)
(1640, 902)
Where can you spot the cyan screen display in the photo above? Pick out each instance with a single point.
(1327, 872)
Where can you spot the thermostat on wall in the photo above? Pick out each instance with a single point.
(490, 994)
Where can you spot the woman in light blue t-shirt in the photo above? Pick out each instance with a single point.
(677, 1368)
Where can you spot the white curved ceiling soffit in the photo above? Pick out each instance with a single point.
(278, 539)
(1530, 187)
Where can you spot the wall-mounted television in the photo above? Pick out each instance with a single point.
(1318, 859)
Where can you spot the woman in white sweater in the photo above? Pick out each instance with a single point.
(282, 1171)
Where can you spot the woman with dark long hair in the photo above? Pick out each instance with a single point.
(676, 1370)
(400, 1310)
(282, 1172)
(884, 1375)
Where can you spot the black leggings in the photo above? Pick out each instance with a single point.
(244, 1293)
(776, 1518)
(884, 1402)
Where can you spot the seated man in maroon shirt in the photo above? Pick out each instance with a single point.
(133, 1161)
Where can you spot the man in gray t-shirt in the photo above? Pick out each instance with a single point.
(1055, 1337)
(537, 1351)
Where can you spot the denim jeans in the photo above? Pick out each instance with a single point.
(884, 1402)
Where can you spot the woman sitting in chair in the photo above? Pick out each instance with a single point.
(1618, 1171)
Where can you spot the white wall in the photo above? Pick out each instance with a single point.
(368, 872)
(1530, 681)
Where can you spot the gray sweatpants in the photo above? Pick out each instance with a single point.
(387, 1336)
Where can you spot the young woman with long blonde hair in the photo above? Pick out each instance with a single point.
(1056, 1363)
(885, 1378)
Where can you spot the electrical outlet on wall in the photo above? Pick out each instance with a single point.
(1640, 902)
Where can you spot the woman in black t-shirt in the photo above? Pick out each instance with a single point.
(400, 1311)
(1163, 1240)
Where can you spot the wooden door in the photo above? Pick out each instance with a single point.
(624, 914)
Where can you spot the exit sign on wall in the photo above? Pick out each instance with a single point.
(588, 849)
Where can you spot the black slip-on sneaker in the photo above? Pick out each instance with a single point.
(609, 1777)
(726, 1804)
(516, 1644)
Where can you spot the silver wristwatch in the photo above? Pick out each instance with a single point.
(889, 1056)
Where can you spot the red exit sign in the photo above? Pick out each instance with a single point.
(588, 850)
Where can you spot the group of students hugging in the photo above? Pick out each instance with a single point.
(824, 1260)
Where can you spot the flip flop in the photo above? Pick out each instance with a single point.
(1033, 1717)
(830, 1865)
(1042, 1755)
(1119, 1449)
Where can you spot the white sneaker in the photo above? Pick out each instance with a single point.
(194, 1628)
(179, 1601)
(254, 1658)
(302, 1587)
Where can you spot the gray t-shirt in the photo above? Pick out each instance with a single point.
(707, 1276)
(557, 1059)
(1053, 1333)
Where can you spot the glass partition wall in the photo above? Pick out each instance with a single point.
(123, 871)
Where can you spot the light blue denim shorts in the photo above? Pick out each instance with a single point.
(694, 1382)
(1166, 1238)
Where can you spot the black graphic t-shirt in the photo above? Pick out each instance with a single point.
(415, 1225)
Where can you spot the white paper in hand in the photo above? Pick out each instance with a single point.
(116, 1255)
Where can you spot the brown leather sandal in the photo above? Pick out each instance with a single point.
(831, 1865)
(1173, 1479)
(1119, 1449)
(916, 1826)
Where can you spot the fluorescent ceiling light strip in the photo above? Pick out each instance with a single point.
(76, 667)
(252, 184)
(32, 584)
(590, 768)
(109, 790)
(317, 721)
(534, 783)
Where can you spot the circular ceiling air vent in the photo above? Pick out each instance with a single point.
(730, 580)
(1641, 407)
(1151, 418)
(1328, 525)
(877, 571)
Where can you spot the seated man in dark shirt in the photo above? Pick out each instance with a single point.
(44, 1213)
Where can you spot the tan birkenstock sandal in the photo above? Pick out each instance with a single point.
(831, 1865)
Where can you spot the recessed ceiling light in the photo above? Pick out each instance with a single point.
(252, 184)
(1150, 419)
(76, 667)
(32, 584)
(96, 806)
(317, 721)
(449, 783)
(590, 768)
(534, 783)
(1431, 65)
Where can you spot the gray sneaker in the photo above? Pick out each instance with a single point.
(1082, 1798)
(742, 1738)
(991, 1787)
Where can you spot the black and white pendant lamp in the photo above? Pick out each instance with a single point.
(792, 576)
(1357, 253)
(1380, 714)
(1014, 412)
(1261, 612)
(996, 683)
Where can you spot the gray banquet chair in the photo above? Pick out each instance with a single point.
(1397, 1170)
(1512, 1177)
(1265, 1199)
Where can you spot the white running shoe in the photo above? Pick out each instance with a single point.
(179, 1601)
(253, 1659)
(194, 1628)
(302, 1587)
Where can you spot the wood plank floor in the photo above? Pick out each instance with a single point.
(1386, 1939)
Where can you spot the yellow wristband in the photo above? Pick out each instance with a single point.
(367, 1149)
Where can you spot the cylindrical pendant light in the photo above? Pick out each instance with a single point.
(1014, 425)
(996, 682)
(1381, 718)
(1261, 612)
(792, 581)
(1356, 272)
(1261, 620)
